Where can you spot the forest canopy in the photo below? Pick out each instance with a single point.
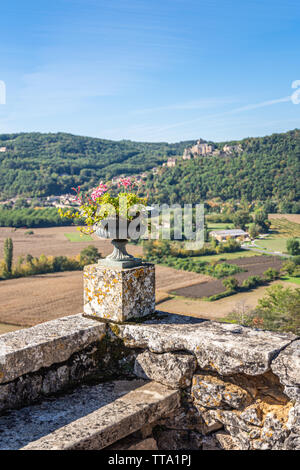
(36, 164)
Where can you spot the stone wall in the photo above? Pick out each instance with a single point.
(239, 387)
(56, 356)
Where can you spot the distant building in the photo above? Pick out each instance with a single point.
(187, 154)
(232, 148)
(223, 235)
(171, 162)
(201, 148)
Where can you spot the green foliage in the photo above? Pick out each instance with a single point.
(261, 221)
(103, 208)
(38, 164)
(220, 270)
(31, 265)
(163, 252)
(251, 282)
(253, 230)
(289, 267)
(44, 164)
(293, 246)
(231, 283)
(8, 254)
(30, 217)
(160, 248)
(241, 219)
(279, 309)
(266, 170)
(89, 255)
(271, 274)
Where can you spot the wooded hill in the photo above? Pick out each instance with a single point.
(42, 164)
(267, 168)
(37, 164)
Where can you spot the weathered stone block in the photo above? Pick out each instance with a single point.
(43, 345)
(287, 365)
(119, 294)
(173, 370)
(89, 418)
(211, 419)
(212, 392)
(226, 441)
(225, 348)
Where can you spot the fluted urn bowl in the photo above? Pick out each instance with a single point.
(120, 230)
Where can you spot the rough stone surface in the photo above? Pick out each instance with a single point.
(210, 443)
(89, 418)
(287, 365)
(211, 419)
(171, 369)
(171, 439)
(145, 444)
(119, 294)
(245, 381)
(186, 417)
(212, 392)
(99, 361)
(225, 348)
(226, 441)
(134, 442)
(31, 349)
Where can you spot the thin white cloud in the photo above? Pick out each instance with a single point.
(189, 105)
(261, 105)
(225, 113)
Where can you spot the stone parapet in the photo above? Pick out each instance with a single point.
(240, 387)
(31, 349)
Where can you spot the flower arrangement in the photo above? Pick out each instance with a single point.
(102, 204)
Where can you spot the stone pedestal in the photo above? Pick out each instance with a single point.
(119, 294)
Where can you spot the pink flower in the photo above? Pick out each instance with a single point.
(125, 182)
(101, 189)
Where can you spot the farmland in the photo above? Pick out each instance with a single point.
(54, 241)
(35, 299)
(219, 309)
(283, 227)
(253, 266)
(28, 301)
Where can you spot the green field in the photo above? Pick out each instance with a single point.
(285, 228)
(273, 243)
(219, 226)
(295, 280)
(78, 237)
(225, 256)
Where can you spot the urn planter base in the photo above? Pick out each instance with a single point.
(119, 258)
(119, 294)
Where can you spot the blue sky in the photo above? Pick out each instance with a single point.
(150, 70)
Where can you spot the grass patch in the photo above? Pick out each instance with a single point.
(295, 280)
(226, 256)
(78, 237)
(219, 226)
(273, 243)
(285, 228)
(221, 295)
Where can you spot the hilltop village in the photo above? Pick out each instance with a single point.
(202, 149)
